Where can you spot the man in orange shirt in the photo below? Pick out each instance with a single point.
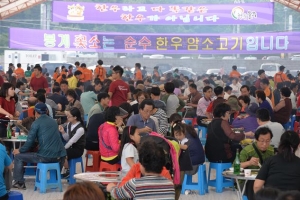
(77, 65)
(280, 76)
(264, 84)
(87, 75)
(234, 73)
(19, 71)
(100, 71)
(138, 72)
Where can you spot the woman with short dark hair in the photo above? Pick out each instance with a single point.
(282, 170)
(71, 97)
(219, 136)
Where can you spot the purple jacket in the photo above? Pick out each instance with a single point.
(249, 123)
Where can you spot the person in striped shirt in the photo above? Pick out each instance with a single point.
(151, 185)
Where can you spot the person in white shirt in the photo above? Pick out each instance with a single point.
(128, 152)
(263, 120)
(227, 92)
(235, 87)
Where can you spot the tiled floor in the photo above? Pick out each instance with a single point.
(30, 194)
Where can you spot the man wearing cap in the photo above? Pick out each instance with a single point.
(51, 149)
(248, 122)
(280, 76)
(142, 120)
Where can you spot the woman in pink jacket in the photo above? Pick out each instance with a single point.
(109, 136)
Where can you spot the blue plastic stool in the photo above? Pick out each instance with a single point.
(72, 167)
(30, 170)
(203, 131)
(85, 119)
(220, 182)
(245, 197)
(14, 195)
(41, 177)
(203, 141)
(188, 121)
(202, 181)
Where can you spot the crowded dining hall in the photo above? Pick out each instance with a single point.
(114, 138)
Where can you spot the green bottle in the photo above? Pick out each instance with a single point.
(237, 163)
(8, 132)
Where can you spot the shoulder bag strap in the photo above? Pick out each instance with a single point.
(258, 153)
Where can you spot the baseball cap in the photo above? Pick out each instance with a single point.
(41, 108)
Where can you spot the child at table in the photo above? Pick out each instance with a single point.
(189, 140)
(128, 152)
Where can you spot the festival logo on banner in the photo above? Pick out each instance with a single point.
(238, 13)
(75, 12)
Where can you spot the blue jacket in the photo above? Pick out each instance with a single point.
(44, 130)
(196, 150)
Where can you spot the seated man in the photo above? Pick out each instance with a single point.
(103, 101)
(142, 120)
(263, 119)
(51, 149)
(253, 155)
(152, 159)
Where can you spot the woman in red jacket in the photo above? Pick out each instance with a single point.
(109, 136)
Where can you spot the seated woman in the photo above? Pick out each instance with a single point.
(71, 97)
(235, 107)
(75, 137)
(140, 96)
(152, 159)
(282, 170)
(248, 122)
(263, 103)
(109, 136)
(283, 110)
(188, 139)
(128, 152)
(219, 136)
(244, 101)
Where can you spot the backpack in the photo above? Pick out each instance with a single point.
(171, 150)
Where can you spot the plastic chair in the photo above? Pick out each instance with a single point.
(30, 169)
(203, 141)
(201, 185)
(96, 161)
(85, 118)
(188, 121)
(104, 166)
(220, 182)
(72, 167)
(245, 197)
(203, 131)
(41, 180)
(15, 195)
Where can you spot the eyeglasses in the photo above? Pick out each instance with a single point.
(264, 142)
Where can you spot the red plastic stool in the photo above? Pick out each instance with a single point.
(96, 161)
(104, 166)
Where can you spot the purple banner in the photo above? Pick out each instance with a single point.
(246, 43)
(163, 14)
